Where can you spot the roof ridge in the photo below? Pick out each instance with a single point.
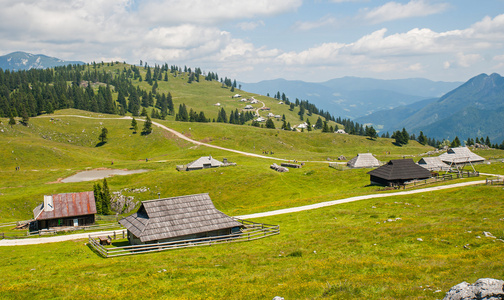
(183, 196)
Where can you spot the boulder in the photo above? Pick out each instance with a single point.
(482, 289)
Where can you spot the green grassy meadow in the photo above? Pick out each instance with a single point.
(340, 252)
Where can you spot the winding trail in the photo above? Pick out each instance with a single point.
(54, 239)
(178, 134)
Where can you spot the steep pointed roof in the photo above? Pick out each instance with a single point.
(460, 155)
(400, 169)
(205, 161)
(364, 160)
(177, 216)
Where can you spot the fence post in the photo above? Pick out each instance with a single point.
(114, 235)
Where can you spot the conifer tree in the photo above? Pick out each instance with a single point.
(97, 190)
(106, 198)
(134, 125)
(325, 127)
(147, 129)
(103, 135)
(422, 139)
(270, 124)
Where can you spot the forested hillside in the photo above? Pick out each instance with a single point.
(163, 92)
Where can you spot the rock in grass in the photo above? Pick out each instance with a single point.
(482, 289)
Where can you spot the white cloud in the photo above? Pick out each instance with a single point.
(247, 26)
(416, 67)
(393, 10)
(466, 60)
(324, 21)
(169, 12)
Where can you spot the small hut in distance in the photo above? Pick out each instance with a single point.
(205, 162)
(433, 164)
(364, 160)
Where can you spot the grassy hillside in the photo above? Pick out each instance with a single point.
(203, 95)
(57, 146)
(342, 252)
(345, 251)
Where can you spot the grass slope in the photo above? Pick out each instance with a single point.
(342, 252)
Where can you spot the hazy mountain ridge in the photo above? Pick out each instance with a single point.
(476, 108)
(353, 97)
(17, 61)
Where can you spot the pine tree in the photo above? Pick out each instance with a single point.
(106, 198)
(97, 190)
(25, 117)
(134, 124)
(422, 139)
(12, 121)
(147, 129)
(325, 127)
(270, 124)
(103, 135)
(455, 143)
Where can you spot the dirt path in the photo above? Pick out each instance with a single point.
(180, 135)
(54, 239)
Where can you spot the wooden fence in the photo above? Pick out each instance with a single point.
(441, 177)
(251, 231)
(496, 180)
(55, 231)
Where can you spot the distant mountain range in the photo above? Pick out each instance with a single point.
(474, 109)
(353, 97)
(17, 61)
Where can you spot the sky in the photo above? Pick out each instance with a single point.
(250, 41)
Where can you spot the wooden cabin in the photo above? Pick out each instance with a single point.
(69, 209)
(433, 164)
(177, 218)
(364, 160)
(397, 172)
(204, 162)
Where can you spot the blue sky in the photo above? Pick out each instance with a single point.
(317, 40)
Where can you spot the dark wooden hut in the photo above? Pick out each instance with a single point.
(69, 209)
(397, 172)
(177, 218)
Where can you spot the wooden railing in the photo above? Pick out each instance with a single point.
(441, 177)
(251, 231)
(492, 181)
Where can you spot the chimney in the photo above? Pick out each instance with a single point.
(48, 203)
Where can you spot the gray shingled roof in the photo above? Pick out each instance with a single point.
(400, 169)
(433, 164)
(204, 162)
(67, 205)
(175, 217)
(363, 160)
(460, 155)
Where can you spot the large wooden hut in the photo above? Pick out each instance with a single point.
(177, 218)
(68, 209)
(460, 156)
(397, 172)
(363, 160)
